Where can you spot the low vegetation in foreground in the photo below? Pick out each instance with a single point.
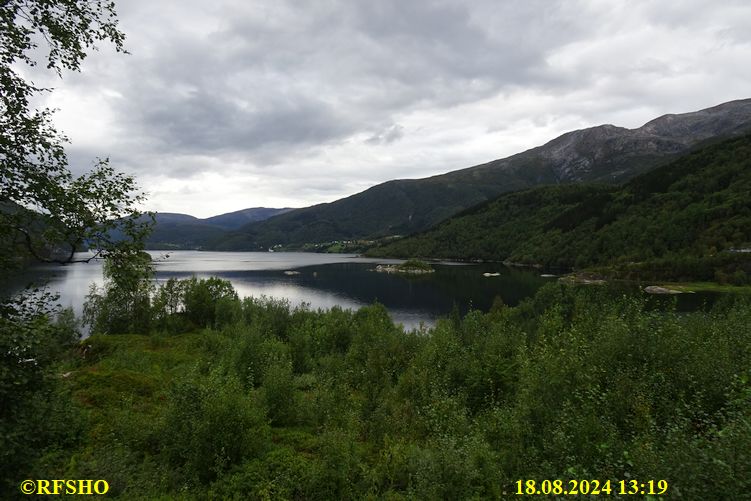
(222, 398)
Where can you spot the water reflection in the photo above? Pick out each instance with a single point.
(321, 281)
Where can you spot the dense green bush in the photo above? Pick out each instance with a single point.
(279, 393)
(129, 303)
(168, 307)
(574, 383)
(201, 298)
(123, 303)
(211, 425)
(35, 415)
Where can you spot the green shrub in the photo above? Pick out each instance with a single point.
(123, 304)
(415, 264)
(212, 425)
(575, 383)
(201, 297)
(279, 393)
(269, 315)
(36, 415)
(282, 474)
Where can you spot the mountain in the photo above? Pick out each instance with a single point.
(689, 219)
(181, 231)
(606, 154)
(234, 220)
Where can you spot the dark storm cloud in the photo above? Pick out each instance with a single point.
(311, 75)
(208, 122)
(351, 92)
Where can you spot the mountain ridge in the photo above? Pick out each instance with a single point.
(173, 230)
(604, 153)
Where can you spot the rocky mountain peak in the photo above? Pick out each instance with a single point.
(605, 152)
(726, 118)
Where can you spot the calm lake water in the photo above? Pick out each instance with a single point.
(320, 280)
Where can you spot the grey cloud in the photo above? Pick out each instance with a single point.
(82, 160)
(327, 77)
(208, 122)
(387, 136)
(279, 86)
(306, 74)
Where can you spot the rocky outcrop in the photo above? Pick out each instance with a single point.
(656, 289)
(609, 153)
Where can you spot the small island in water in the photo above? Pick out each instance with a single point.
(412, 266)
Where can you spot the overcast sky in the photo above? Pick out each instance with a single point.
(229, 104)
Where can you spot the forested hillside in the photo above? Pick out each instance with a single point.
(692, 212)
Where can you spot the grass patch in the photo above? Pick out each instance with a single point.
(415, 264)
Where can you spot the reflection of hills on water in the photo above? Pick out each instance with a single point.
(437, 293)
(410, 299)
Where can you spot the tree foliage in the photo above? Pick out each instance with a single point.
(33, 415)
(47, 214)
(44, 209)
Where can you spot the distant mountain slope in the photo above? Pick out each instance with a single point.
(682, 214)
(234, 220)
(605, 154)
(181, 231)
